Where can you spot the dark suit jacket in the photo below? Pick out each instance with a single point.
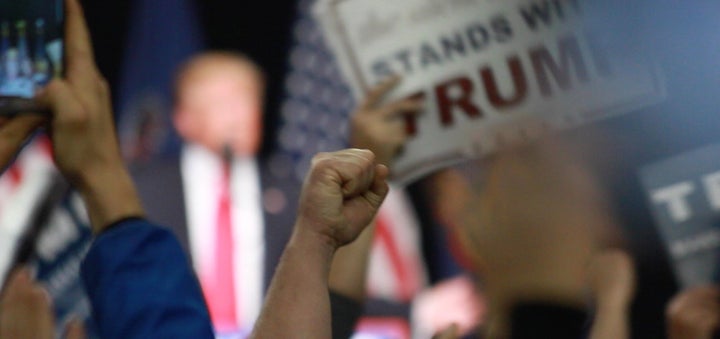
(159, 183)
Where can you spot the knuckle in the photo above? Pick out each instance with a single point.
(319, 156)
(370, 156)
(321, 161)
(52, 87)
(79, 119)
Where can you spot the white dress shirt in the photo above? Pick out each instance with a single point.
(202, 174)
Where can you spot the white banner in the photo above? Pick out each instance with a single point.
(484, 65)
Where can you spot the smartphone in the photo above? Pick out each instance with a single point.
(31, 52)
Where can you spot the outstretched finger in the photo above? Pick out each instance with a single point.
(81, 69)
(402, 107)
(17, 280)
(377, 93)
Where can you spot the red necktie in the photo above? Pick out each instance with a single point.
(16, 175)
(218, 283)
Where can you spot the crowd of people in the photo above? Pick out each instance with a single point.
(536, 226)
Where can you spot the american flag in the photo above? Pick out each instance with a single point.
(318, 101)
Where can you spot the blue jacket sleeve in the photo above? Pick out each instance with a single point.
(141, 285)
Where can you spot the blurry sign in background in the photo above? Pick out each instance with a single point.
(45, 229)
(685, 195)
(482, 66)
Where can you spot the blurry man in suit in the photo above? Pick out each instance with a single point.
(211, 192)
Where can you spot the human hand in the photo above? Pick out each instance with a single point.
(453, 303)
(534, 225)
(694, 313)
(341, 195)
(13, 133)
(25, 309)
(82, 130)
(381, 128)
(612, 279)
(83, 133)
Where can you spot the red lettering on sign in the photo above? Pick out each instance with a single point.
(463, 101)
(519, 83)
(570, 57)
(565, 70)
(410, 119)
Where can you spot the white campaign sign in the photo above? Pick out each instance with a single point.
(483, 66)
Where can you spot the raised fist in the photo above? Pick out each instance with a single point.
(341, 195)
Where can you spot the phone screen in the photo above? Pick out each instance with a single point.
(31, 51)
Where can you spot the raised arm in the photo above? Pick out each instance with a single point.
(531, 229)
(83, 133)
(138, 279)
(340, 197)
(380, 129)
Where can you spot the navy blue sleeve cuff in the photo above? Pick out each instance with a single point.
(121, 222)
(141, 285)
